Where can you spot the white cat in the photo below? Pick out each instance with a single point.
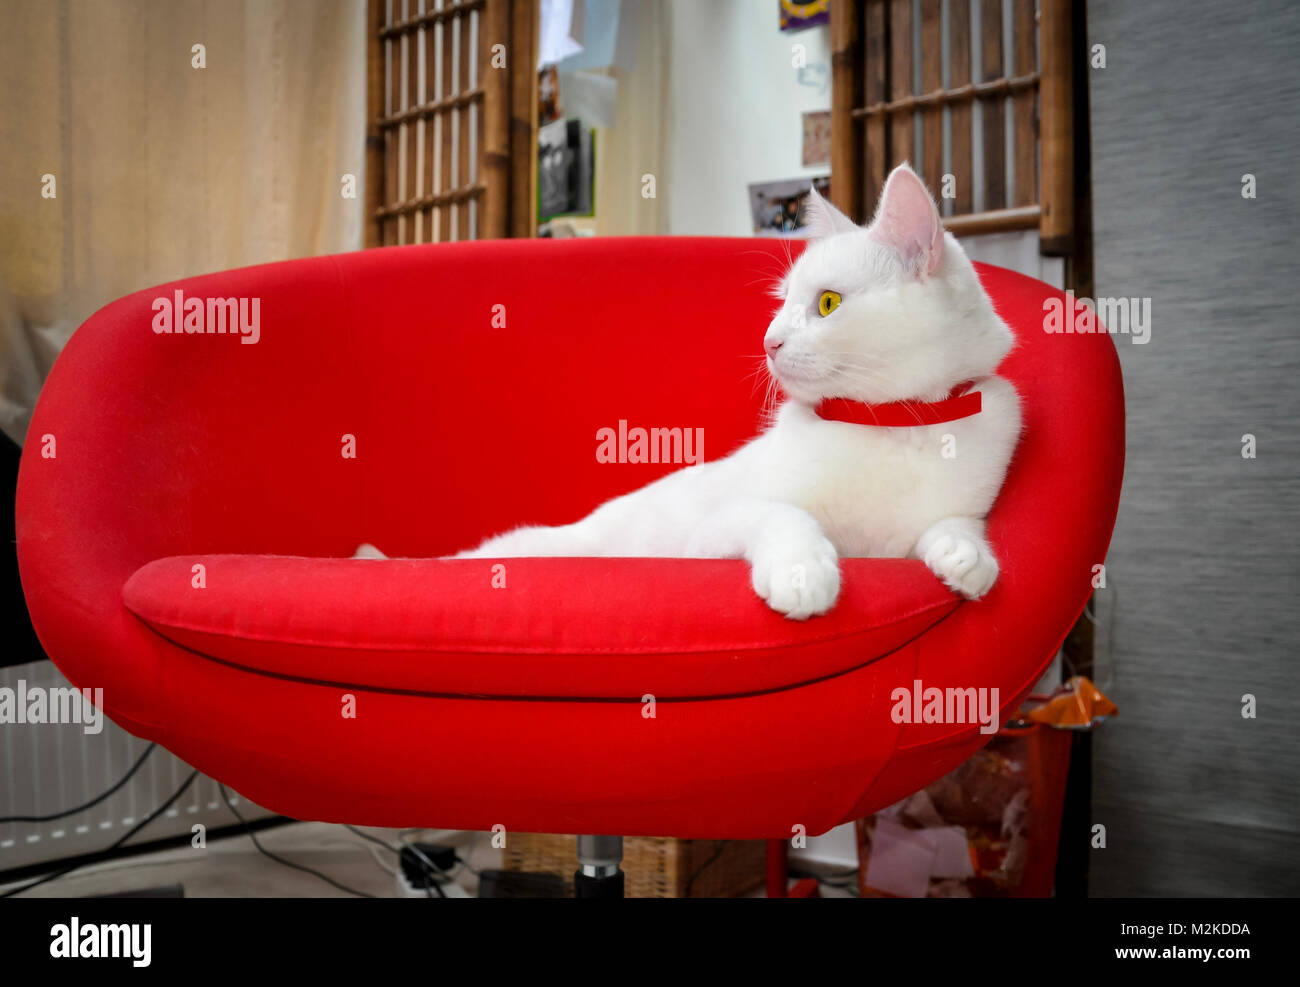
(888, 313)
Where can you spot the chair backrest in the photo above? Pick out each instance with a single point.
(494, 368)
(424, 397)
(490, 369)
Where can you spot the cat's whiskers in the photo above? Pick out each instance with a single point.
(771, 398)
(773, 280)
(756, 374)
(774, 400)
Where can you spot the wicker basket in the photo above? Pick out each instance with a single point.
(656, 867)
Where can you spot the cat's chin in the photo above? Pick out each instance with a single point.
(812, 393)
(797, 388)
(802, 394)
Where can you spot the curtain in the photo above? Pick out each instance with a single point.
(1199, 799)
(162, 169)
(635, 145)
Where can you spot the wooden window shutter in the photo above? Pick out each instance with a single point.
(897, 98)
(451, 135)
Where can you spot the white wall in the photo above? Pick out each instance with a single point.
(734, 117)
(735, 106)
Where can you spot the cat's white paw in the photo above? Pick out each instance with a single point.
(800, 579)
(368, 551)
(964, 562)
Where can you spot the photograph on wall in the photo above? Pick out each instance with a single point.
(566, 170)
(777, 207)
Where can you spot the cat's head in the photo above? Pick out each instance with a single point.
(886, 312)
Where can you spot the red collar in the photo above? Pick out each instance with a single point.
(960, 403)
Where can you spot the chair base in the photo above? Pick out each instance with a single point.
(598, 874)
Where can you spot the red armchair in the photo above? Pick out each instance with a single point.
(472, 379)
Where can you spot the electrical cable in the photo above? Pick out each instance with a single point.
(374, 852)
(415, 850)
(121, 840)
(89, 805)
(469, 852)
(406, 839)
(373, 839)
(406, 836)
(391, 849)
(462, 863)
(225, 797)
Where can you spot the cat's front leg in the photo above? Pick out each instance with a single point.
(798, 576)
(793, 565)
(954, 549)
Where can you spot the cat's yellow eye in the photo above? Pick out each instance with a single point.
(828, 303)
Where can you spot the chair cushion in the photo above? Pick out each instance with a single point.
(554, 627)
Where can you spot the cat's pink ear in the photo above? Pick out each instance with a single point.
(822, 219)
(908, 221)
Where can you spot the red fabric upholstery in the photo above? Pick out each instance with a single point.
(420, 624)
(521, 705)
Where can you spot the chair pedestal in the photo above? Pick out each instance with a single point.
(598, 874)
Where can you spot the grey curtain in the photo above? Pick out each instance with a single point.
(1196, 799)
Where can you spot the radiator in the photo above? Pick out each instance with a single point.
(46, 768)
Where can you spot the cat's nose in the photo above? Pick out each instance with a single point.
(772, 345)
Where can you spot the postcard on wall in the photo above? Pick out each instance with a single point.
(776, 207)
(816, 138)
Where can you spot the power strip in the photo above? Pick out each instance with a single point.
(414, 873)
(450, 888)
